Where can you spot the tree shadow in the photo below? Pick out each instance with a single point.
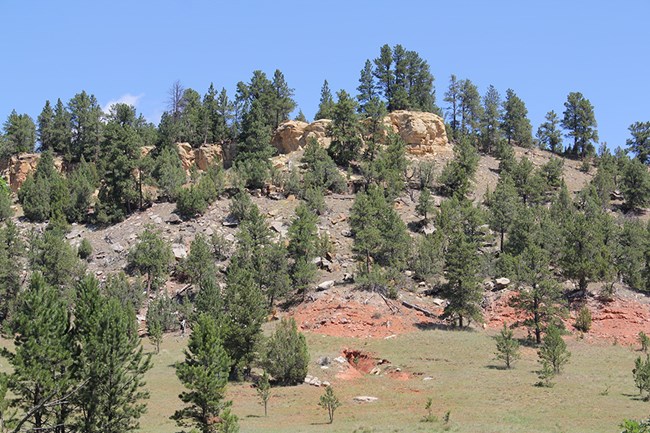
(254, 416)
(497, 367)
(321, 423)
(426, 326)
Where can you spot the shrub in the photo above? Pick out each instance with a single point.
(286, 357)
(190, 202)
(583, 320)
(85, 249)
(330, 402)
(644, 340)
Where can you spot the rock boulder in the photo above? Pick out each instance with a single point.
(186, 153)
(423, 133)
(287, 137)
(205, 155)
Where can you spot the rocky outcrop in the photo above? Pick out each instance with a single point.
(203, 157)
(423, 133)
(294, 134)
(17, 168)
(206, 155)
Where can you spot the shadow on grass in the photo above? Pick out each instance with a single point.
(635, 397)
(321, 423)
(432, 325)
(254, 416)
(497, 367)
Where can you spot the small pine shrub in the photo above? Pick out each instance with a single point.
(583, 321)
(85, 249)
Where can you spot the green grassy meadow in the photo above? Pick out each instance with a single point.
(594, 394)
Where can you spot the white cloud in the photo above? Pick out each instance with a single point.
(127, 98)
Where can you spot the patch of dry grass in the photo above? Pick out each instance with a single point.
(466, 381)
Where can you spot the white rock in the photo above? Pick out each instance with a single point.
(365, 398)
(179, 250)
(325, 285)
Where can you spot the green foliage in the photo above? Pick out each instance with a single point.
(632, 426)
(5, 201)
(12, 252)
(549, 135)
(168, 173)
(330, 402)
(204, 372)
(469, 106)
(583, 320)
(85, 249)
(81, 184)
(428, 256)
(639, 144)
(514, 123)
(492, 112)
(387, 165)
(52, 256)
(553, 350)
(85, 117)
(458, 174)
(641, 374)
(553, 172)
(44, 195)
(321, 171)
(507, 346)
(452, 97)
(635, 185)
(111, 361)
(502, 206)
(240, 206)
(190, 202)
(151, 256)
(19, 134)
(128, 294)
(644, 340)
(315, 200)
(326, 104)
(380, 235)
(580, 122)
(303, 237)
(286, 356)
(264, 391)
(425, 204)
(345, 130)
(199, 264)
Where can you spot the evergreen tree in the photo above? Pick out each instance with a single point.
(456, 177)
(5, 201)
(492, 113)
(507, 346)
(61, 129)
(204, 372)
(425, 205)
(639, 144)
(635, 185)
(303, 235)
(469, 107)
(330, 402)
(263, 391)
(52, 256)
(109, 361)
(503, 206)
(254, 148)
(452, 97)
(553, 350)
(86, 127)
(514, 123)
(300, 117)
(321, 171)
(283, 103)
(12, 252)
(152, 256)
(199, 265)
(548, 134)
(366, 89)
(580, 122)
(41, 379)
(168, 173)
(286, 356)
(19, 134)
(119, 193)
(344, 130)
(81, 185)
(326, 105)
(45, 127)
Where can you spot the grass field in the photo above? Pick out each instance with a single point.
(594, 394)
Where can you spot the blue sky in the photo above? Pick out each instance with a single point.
(134, 50)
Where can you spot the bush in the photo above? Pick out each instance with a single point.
(240, 206)
(190, 202)
(85, 249)
(644, 340)
(287, 357)
(583, 320)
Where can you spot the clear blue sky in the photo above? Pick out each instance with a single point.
(134, 50)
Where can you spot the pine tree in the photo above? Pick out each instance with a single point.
(580, 122)
(452, 97)
(507, 346)
(456, 177)
(86, 127)
(152, 256)
(366, 89)
(502, 206)
(303, 235)
(330, 402)
(554, 350)
(469, 107)
(326, 105)
(548, 134)
(199, 265)
(42, 360)
(5, 201)
(45, 127)
(168, 173)
(425, 204)
(514, 123)
(283, 103)
(639, 144)
(344, 130)
(492, 112)
(264, 391)
(19, 134)
(635, 185)
(254, 148)
(204, 372)
(109, 361)
(286, 356)
(52, 256)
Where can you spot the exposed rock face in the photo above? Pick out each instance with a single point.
(287, 137)
(205, 155)
(146, 150)
(293, 135)
(423, 133)
(186, 153)
(17, 168)
(202, 157)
